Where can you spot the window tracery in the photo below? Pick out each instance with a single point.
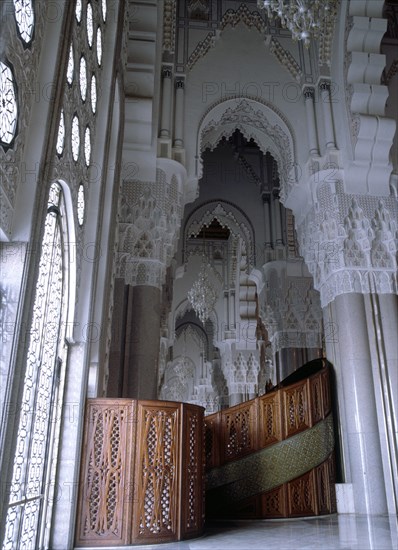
(8, 105)
(25, 19)
(93, 94)
(45, 356)
(61, 134)
(89, 24)
(99, 46)
(71, 66)
(87, 146)
(83, 78)
(81, 205)
(75, 138)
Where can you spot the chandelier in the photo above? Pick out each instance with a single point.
(203, 295)
(303, 18)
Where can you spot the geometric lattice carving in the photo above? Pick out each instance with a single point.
(142, 472)
(239, 437)
(158, 472)
(297, 408)
(301, 496)
(270, 413)
(274, 503)
(104, 496)
(289, 471)
(104, 474)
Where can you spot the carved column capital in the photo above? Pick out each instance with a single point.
(309, 92)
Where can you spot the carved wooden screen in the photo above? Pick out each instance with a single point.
(142, 473)
(157, 472)
(192, 490)
(239, 430)
(105, 492)
(273, 456)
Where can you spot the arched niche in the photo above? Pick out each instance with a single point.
(259, 121)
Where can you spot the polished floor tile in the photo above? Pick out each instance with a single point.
(338, 532)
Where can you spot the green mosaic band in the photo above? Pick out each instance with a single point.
(266, 469)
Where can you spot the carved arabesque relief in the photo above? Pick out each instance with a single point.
(149, 220)
(349, 243)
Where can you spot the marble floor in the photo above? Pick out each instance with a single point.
(348, 532)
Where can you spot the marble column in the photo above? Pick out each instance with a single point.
(382, 312)
(267, 220)
(309, 94)
(166, 103)
(351, 356)
(179, 114)
(327, 115)
(141, 366)
(276, 215)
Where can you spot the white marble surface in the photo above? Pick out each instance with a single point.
(348, 532)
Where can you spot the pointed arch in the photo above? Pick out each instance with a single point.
(256, 120)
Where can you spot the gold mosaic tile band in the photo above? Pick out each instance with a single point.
(263, 470)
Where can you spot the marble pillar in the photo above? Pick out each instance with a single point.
(179, 114)
(309, 94)
(166, 103)
(349, 350)
(141, 365)
(327, 115)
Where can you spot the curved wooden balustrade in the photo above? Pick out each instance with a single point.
(142, 473)
(272, 457)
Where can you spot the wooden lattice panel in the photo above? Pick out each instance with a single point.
(316, 399)
(212, 440)
(192, 493)
(296, 408)
(157, 472)
(142, 473)
(323, 488)
(271, 419)
(104, 499)
(274, 503)
(302, 495)
(239, 430)
(327, 399)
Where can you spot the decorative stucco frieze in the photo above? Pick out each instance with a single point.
(286, 59)
(290, 309)
(201, 49)
(252, 19)
(349, 243)
(149, 220)
(169, 25)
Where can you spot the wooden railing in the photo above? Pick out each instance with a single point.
(142, 473)
(273, 456)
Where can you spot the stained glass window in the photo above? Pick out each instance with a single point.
(25, 18)
(28, 492)
(8, 105)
